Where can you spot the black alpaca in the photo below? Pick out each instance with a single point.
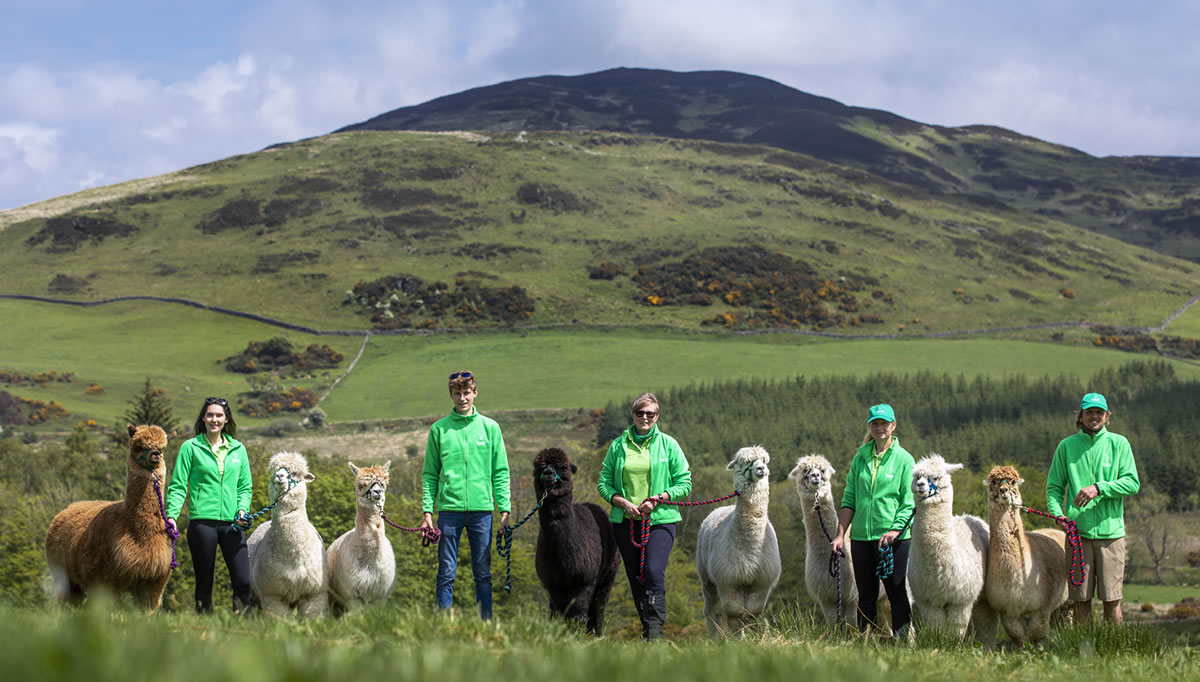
(577, 557)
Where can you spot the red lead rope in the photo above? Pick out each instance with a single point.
(642, 527)
(1074, 540)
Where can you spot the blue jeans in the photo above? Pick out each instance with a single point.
(479, 534)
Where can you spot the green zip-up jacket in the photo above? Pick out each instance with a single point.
(881, 497)
(466, 466)
(210, 495)
(1081, 460)
(669, 473)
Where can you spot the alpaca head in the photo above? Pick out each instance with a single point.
(288, 470)
(931, 480)
(146, 445)
(1004, 487)
(813, 476)
(370, 485)
(749, 466)
(553, 471)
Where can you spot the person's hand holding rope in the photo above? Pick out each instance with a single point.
(650, 503)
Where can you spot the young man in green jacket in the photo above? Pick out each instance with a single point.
(1092, 473)
(465, 477)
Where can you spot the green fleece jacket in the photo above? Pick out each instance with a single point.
(1081, 460)
(669, 473)
(466, 466)
(879, 490)
(210, 494)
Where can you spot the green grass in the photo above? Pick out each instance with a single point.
(1157, 594)
(120, 345)
(99, 645)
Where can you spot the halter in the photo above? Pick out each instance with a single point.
(144, 458)
(504, 535)
(933, 490)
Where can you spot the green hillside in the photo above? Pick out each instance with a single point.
(563, 228)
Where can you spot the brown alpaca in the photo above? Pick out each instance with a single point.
(121, 546)
(1027, 572)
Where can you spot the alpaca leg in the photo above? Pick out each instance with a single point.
(1039, 626)
(314, 606)
(577, 608)
(275, 606)
(149, 594)
(1014, 627)
(958, 616)
(597, 608)
(986, 624)
(63, 588)
(711, 616)
(935, 616)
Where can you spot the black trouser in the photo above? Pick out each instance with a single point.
(650, 595)
(203, 537)
(865, 555)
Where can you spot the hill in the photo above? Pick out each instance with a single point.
(1148, 201)
(402, 230)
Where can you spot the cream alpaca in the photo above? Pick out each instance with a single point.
(948, 557)
(287, 555)
(362, 566)
(737, 554)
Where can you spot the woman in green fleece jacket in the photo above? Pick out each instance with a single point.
(645, 464)
(1093, 472)
(212, 472)
(879, 500)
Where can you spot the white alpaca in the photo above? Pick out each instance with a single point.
(737, 555)
(947, 560)
(813, 475)
(362, 566)
(287, 555)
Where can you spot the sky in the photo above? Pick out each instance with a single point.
(94, 93)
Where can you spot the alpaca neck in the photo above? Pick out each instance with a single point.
(368, 524)
(750, 510)
(556, 507)
(1007, 546)
(141, 500)
(933, 517)
(819, 528)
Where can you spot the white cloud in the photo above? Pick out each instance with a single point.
(30, 146)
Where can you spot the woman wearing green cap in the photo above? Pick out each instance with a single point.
(1092, 473)
(879, 499)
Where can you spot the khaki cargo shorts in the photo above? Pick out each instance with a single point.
(1105, 560)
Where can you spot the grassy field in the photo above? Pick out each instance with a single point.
(1158, 594)
(119, 345)
(99, 645)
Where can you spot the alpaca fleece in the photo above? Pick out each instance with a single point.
(737, 553)
(121, 546)
(362, 566)
(948, 557)
(577, 557)
(1027, 572)
(287, 556)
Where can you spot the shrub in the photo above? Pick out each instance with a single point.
(281, 427)
(605, 270)
(315, 418)
(94, 389)
(1186, 608)
(1067, 293)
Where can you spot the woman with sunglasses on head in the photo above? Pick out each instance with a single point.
(644, 467)
(212, 472)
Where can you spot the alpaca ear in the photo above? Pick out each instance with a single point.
(132, 429)
(574, 468)
(794, 473)
(1020, 481)
(387, 465)
(309, 477)
(729, 466)
(353, 468)
(951, 468)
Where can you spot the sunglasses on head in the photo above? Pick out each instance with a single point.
(216, 401)
(463, 374)
(647, 414)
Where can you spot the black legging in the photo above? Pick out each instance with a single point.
(203, 537)
(865, 555)
(658, 551)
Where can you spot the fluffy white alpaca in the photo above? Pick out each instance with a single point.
(287, 555)
(948, 557)
(737, 555)
(362, 566)
(813, 475)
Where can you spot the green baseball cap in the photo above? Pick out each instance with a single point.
(1093, 400)
(881, 411)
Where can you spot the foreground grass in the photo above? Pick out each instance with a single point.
(99, 644)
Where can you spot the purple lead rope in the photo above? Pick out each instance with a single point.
(172, 531)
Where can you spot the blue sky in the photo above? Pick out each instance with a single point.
(93, 93)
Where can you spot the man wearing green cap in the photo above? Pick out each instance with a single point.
(1092, 473)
